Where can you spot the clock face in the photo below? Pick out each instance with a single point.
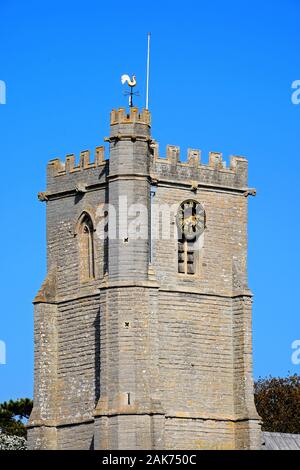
(190, 219)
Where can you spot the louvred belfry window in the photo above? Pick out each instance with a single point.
(191, 224)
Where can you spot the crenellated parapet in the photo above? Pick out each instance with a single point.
(65, 175)
(132, 128)
(57, 167)
(121, 116)
(215, 172)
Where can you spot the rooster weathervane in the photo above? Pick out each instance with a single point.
(131, 83)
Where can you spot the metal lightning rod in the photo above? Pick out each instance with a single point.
(148, 73)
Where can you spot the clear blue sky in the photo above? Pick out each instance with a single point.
(220, 80)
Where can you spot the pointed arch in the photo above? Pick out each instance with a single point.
(86, 250)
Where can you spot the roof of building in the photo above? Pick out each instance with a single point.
(281, 441)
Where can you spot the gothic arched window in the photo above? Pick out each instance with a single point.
(86, 248)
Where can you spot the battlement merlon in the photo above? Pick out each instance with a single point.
(134, 125)
(120, 116)
(57, 167)
(67, 175)
(214, 173)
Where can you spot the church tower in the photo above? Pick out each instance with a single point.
(143, 325)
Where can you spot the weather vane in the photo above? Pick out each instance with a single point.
(131, 83)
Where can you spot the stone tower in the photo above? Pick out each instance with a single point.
(143, 338)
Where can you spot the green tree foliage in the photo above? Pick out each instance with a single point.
(13, 415)
(277, 402)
